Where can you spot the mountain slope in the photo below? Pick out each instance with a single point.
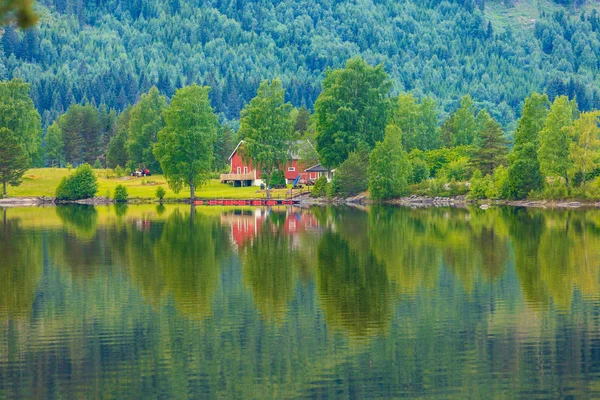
(111, 51)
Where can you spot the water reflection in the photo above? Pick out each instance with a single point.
(325, 302)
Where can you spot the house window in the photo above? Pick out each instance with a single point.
(291, 169)
(245, 170)
(239, 170)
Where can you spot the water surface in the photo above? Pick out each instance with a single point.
(159, 302)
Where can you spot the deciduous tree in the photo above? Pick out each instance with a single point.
(389, 168)
(267, 129)
(352, 109)
(585, 150)
(146, 120)
(13, 159)
(186, 144)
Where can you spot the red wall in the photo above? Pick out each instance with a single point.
(236, 161)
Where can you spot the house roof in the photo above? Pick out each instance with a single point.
(316, 168)
(293, 151)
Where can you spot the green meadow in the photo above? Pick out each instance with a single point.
(43, 182)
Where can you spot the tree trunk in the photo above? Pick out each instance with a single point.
(192, 193)
(4, 189)
(268, 186)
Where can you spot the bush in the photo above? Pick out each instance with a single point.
(119, 171)
(320, 188)
(98, 164)
(420, 171)
(160, 193)
(436, 187)
(459, 170)
(82, 184)
(278, 178)
(121, 194)
(351, 176)
(480, 186)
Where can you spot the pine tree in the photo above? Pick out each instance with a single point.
(492, 149)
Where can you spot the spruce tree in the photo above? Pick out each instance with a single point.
(492, 149)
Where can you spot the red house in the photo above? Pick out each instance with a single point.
(244, 174)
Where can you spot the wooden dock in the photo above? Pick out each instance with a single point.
(256, 202)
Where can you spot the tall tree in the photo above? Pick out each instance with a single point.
(267, 129)
(492, 149)
(54, 145)
(117, 147)
(352, 109)
(585, 150)
(418, 122)
(81, 133)
(524, 173)
(464, 127)
(186, 144)
(13, 159)
(389, 168)
(146, 120)
(556, 139)
(18, 114)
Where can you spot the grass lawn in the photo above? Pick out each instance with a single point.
(43, 182)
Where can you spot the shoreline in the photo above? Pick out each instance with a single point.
(413, 201)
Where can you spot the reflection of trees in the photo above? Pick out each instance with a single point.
(20, 267)
(556, 252)
(269, 263)
(353, 287)
(180, 259)
(79, 219)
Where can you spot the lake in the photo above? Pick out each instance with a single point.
(328, 302)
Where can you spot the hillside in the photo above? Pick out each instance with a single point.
(111, 51)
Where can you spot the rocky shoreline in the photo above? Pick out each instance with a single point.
(362, 199)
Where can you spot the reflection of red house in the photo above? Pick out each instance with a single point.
(243, 173)
(246, 224)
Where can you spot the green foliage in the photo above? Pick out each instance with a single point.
(145, 121)
(320, 187)
(160, 193)
(278, 178)
(492, 149)
(555, 189)
(81, 131)
(266, 127)
(18, 114)
(584, 152)
(81, 184)
(459, 170)
(437, 159)
(20, 11)
(351, 110)
(418, 122)
(186, 144)
(500, 184)
(389, 168)
(14, 159)
(351, 177)
(120, 171)
(524, 173)
(54, 146)
(121, 195)
(117, 148)
(480, 186)
(556, 139)
(420, 171)
(460, 128)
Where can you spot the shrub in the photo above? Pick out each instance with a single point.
(436, 187)
(420, 171)
(121, 194)
(320, 188)
(82, 184)
(278, 178)
(499, 188)
(98, 164)
(160, 193)
(459, 170)
(555, 190)
(351, 177)
(119, 171)
(479, 186)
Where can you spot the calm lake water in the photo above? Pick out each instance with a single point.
(154, 302)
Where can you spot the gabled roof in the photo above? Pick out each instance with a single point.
(294, 155)
(236, 149)
(316, 168)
